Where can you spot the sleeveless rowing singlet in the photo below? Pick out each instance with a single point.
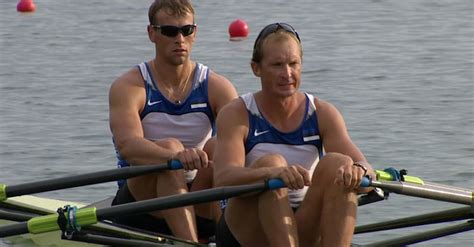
(302, 146)
(191, 122)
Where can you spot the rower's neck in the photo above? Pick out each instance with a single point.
(174, 83)
(285, 114)
(172, 75)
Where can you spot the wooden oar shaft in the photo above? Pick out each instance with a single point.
(83, 179)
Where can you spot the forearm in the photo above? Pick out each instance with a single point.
(139, 151)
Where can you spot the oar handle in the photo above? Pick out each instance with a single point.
(275, 183)
(175, 165)
(366, 182)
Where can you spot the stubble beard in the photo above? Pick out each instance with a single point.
(177, 61)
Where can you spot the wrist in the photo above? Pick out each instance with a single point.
(361, 166)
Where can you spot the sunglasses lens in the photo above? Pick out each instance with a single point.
(187, 30)
(170, 31)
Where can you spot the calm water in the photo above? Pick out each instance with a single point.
(401, 72)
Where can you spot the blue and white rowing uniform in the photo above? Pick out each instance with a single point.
(191, 121)
(302, 146)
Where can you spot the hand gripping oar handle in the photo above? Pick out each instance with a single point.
(88, 216)
(84, 179)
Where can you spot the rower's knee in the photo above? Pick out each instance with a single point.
(329, 165)
(209, 147)
(270, 160)
(170, 143)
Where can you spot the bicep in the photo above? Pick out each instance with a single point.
(231, 132)
(335, 135)
(125, 102)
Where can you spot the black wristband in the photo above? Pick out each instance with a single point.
(361, 167)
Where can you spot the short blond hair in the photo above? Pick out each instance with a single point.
(285, 30)
(176, 8)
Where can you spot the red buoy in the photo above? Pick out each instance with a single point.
(25, 6)
(238, 30)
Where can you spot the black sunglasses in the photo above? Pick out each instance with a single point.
(172, 31)
(271, 28)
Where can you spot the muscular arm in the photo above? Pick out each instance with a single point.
(334, 132)
(126, 100)
(335, 135)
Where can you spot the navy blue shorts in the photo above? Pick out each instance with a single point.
(224, 236)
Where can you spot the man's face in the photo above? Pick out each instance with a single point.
(174, 50)
(280, 67)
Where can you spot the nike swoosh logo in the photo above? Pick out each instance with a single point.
(256, 133)
(154, 102)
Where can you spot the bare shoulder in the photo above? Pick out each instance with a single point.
(325, 109)
(219, 82)
(217, 78)
(221, 91)
(131, 78)
(234, 111)
(128, 90)
(329, 117)
(233, 116)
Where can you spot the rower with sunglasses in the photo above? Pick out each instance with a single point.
(282, 132)
(165, 109)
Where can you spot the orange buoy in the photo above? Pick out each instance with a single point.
(238, 30)
(25, 6)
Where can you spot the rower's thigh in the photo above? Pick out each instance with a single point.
(242, 213)
(242, 219)
(316, 198)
